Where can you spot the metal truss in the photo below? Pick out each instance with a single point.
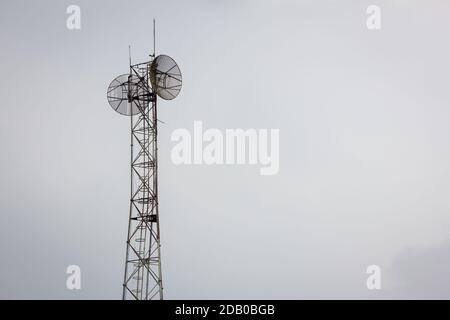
(143, 279)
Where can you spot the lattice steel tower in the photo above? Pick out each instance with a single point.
(135, 95)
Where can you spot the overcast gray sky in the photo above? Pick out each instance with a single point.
(364, 148)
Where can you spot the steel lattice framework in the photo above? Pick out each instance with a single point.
(143, 278)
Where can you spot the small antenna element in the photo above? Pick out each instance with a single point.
(154, 37)
(129, 53)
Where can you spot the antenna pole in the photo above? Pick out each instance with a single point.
(129, 55)
(130, 105)
(154, 37)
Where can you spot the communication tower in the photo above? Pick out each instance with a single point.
(135, 95)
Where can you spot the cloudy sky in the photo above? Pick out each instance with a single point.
(364, 173)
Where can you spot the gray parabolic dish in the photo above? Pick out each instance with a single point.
(165, 76)
(118, 94)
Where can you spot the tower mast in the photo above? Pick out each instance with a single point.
(135, 95)
(143, 275)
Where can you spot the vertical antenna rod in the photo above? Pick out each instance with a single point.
(129, 54)
(154, 38)
(130, 105)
